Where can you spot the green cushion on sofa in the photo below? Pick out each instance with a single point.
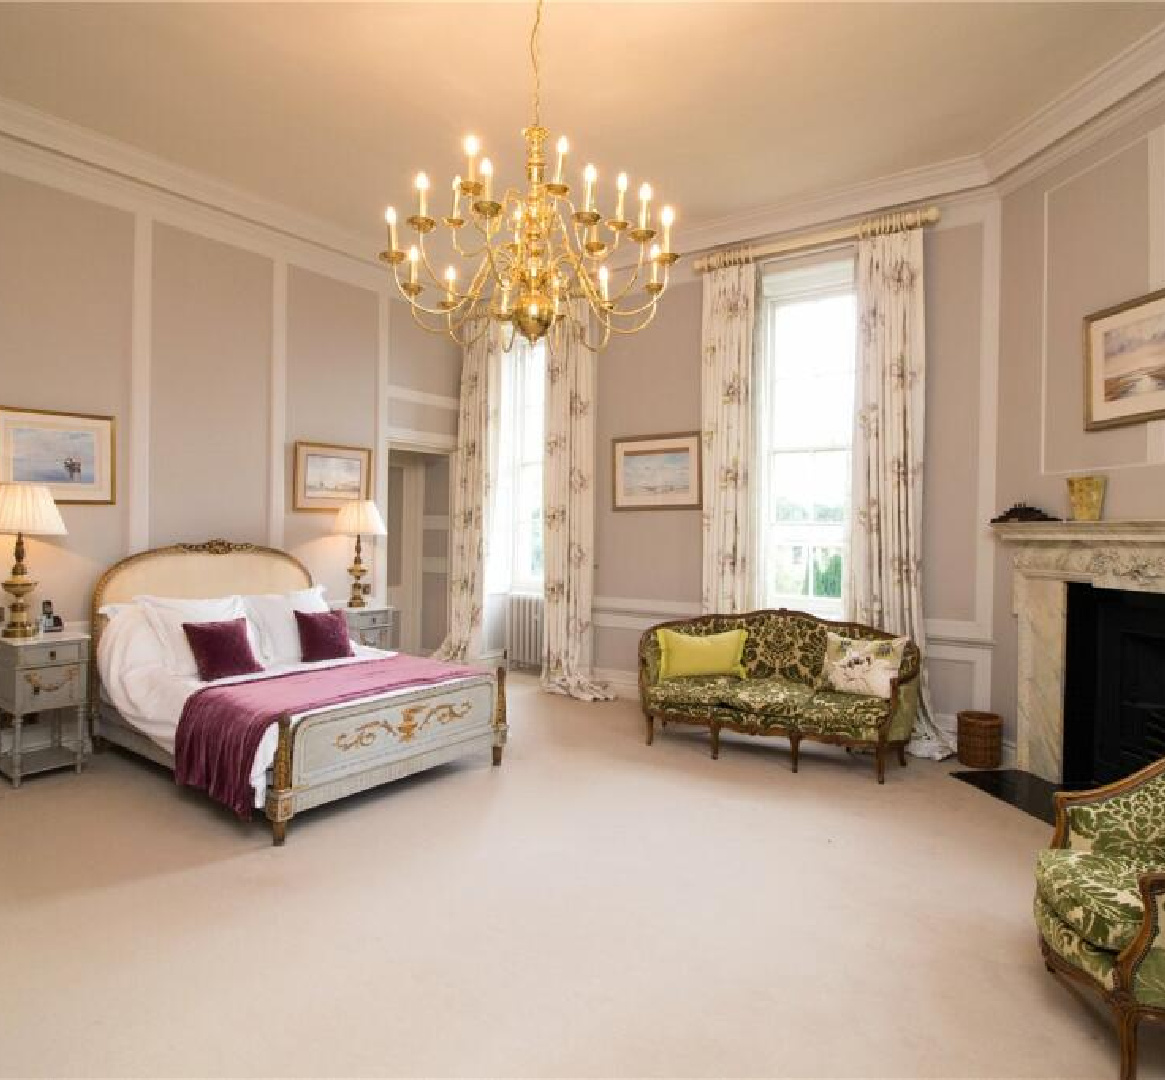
(685, 655)
(693, 690)
(1095, 893)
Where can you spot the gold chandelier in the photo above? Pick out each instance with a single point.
(533, 253)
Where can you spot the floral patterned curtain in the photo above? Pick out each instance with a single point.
(884, 586)
(473, 466)
(726, 422)
(569, 520)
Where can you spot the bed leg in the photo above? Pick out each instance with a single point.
(501, 728)
(279, 808)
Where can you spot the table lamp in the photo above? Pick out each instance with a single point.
(25, 508)
(359, 518)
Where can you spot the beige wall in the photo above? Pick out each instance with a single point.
(231, 342)
(209, 373)
(1084, 235)
(66, 269)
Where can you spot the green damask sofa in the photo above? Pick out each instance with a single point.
(783, 658)
(1100, 899)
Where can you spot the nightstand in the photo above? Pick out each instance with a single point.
(43, 674)
(373, 626)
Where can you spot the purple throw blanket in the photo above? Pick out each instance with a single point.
(221, 726)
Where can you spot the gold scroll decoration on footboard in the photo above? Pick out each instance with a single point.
(413, 721)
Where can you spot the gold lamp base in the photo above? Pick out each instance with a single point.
(357, 571)
(19, 584)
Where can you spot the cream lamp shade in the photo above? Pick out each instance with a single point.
(29, 509)
(360, 518)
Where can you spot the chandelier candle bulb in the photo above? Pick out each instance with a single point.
(667, 215)
(654, 264)
(487, 178)
(450, 283)
(422, 183)
(414, 259)
(472, 146)
(390, 221)
(621, 186)
(604, 283)
(644, 205)
(563, 147)
(456, 197)
(590, 175)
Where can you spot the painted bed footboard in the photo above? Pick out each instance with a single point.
(339, 752)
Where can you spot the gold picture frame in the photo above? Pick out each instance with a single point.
(1124, 363)
(74, 454)
(323, 478)
(657, 472)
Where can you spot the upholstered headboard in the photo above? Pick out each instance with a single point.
(194, 571)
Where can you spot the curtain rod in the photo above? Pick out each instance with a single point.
(899, 221)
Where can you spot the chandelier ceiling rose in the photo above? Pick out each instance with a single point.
(538, 261)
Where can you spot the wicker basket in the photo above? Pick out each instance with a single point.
(980, 737)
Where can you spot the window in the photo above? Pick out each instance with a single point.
(805, 416)
(516, 548)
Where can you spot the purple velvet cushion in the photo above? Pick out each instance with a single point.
(221, 649)
(323, 635)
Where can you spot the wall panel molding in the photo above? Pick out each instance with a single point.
(137, 448)
(277, 407)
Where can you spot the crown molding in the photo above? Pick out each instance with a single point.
(1126, 73)
(840, 203)
(76, 144)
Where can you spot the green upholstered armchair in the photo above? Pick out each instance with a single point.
(1100, 898)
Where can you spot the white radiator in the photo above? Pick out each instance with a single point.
(524, 630)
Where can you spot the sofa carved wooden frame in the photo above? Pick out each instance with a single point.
(880, 747)
(316, 760)
(1127, 1011)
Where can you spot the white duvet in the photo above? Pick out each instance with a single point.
(137, 681)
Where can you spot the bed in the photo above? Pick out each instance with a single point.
(308, 758)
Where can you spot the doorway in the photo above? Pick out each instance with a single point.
(418, 547)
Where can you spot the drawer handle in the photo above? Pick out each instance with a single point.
(37, 686)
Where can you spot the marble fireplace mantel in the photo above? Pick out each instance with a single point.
(1105, 554)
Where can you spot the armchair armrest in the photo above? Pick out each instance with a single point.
(1148, 939)
(1068, 824)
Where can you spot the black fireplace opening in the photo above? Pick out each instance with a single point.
(1114, 684)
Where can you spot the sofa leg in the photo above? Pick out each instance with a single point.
(880, 761)
(902, 755)
(650, 729)
(1127, 1021)
(714, 732)
(795, 747)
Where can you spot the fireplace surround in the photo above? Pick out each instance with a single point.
(1051, 557)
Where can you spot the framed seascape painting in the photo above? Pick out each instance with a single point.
(657, 472)
(325, 477)
(1124, 370)
(74, 454)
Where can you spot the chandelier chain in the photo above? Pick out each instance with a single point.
(534, 61)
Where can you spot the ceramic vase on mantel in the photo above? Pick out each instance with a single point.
(1086, 497)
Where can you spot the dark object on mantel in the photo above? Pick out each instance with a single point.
(1022, 512)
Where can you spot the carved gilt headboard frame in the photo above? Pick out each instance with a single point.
(191, 571)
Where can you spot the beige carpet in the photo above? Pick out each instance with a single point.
(595, 907)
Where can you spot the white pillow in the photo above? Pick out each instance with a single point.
(861, 665)
(273, 616)
(167, 615)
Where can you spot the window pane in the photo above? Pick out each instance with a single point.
(789, 570)
(827, 572)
